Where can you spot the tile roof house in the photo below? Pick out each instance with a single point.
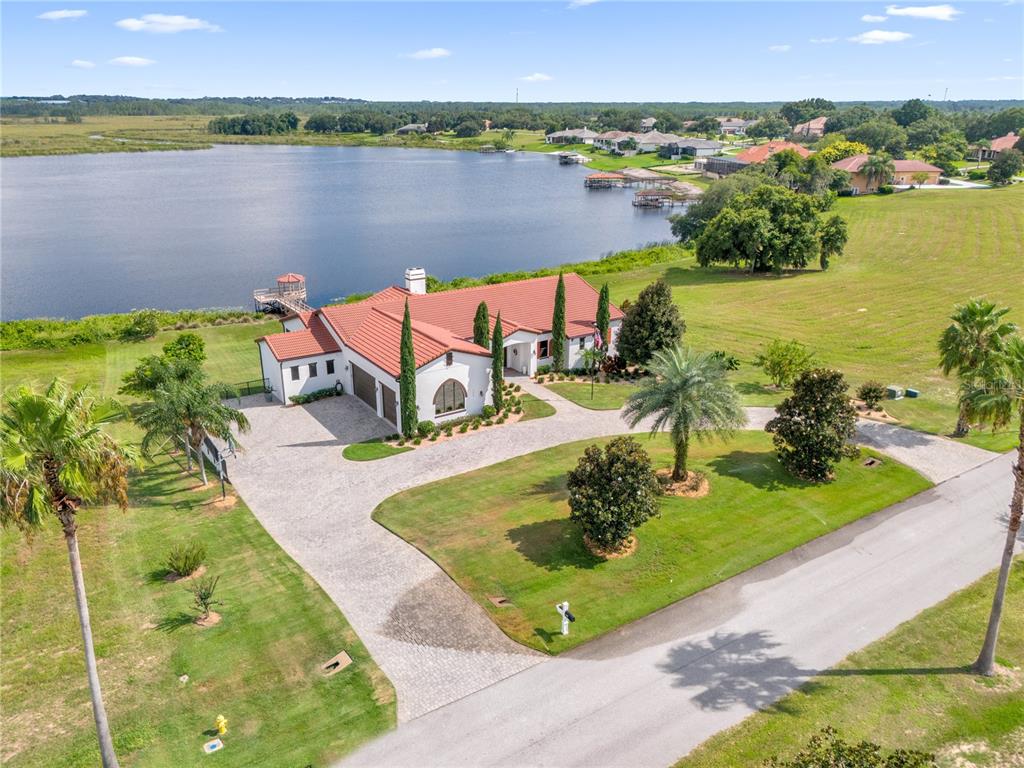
(734, 125)
(761, 152)
(571, 136)
(995, 146)
(647, 124)
(904, 172)
(812, 128)
(358, 344)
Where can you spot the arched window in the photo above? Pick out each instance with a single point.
(450, 397)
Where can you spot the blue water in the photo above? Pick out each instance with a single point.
(83, 234)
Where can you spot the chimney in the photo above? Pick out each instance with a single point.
(416, 280)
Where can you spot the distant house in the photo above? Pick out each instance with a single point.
(647, 124)
(611, 139)
(812, 129)
(761, 152)
(996, 146)
(652, 141)
(904, 172)
(695, 148)
(717, 167)
(734, 126)
(412, 128)
(571, 136)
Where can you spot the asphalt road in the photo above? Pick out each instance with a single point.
(648, 693)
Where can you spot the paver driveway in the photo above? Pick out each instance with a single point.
(433, 642)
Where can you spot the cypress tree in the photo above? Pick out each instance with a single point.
(498, 366)
(481, 325)
(558, 327)
(407, 377)
(604, 316)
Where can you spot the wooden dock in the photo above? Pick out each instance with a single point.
(288, 296)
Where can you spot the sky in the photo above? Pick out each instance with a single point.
(575, 50)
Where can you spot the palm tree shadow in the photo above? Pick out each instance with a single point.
(175, 621)
(761, 470)
(552, 544)
(730, 668)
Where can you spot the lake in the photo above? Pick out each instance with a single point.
(84, 234)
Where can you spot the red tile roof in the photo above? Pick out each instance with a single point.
(762, 152)
(443, 322)
(291, 277)
(1003, 142)
(854, 163)
(309, 342)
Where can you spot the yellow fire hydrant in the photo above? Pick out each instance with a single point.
(221, 723)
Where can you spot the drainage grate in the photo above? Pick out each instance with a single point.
(872, 462)
(501, 602)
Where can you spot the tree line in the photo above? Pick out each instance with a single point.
(262, 124)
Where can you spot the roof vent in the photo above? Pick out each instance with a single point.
(416, 280)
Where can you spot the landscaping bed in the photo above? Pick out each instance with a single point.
(911, 689)
(504, 532)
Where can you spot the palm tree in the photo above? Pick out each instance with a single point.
(509, 135)
(592, 357)
(968, 345)
(57, 457)
(878, 168)
(981, 146)
(191, 408)
(996, 401)
(690, 394)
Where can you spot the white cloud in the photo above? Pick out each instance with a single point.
(162, 24)
(83, 64)
(1002, 78)
(880, 37)
(131, 61)
(823, 40)
(429, 53)
(935, 12)
(580, 4)
(537, 77)
(61, 15)
(779, 48)
(871, 19)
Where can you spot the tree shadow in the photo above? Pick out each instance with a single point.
(175, 621)
(696, 275)
(158, 576)
(753, 388)
(553, 487)
(761, 470)
(553, 544)
(731, 668)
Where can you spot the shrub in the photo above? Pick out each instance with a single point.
(815, 425)
(517, 388)
(783, 361)
(886, 189)
(417, 440)
(977, 174)
(433, 436)
(476, 424)
(828, 749)
(612, 491)
(401, 441)
(317, 394)
(186, 346)
(729, 362)
(203, 591)
(425, 427)
(185, 559)
(542, 369)
(464, 427)
(872, 393)
(142, 324)
(448, 431)
(519, 409)
(501, 419)
(488, 411)
(651, 323)
(488, 423)
(613, 364)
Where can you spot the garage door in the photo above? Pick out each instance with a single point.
(390, 402)
(364, 386)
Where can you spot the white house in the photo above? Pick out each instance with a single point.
(571, 136)
(358, 345)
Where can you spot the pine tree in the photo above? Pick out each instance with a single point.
(604, 317)
(481, 324)
(498, 366)
(407, 377)
(558, 327)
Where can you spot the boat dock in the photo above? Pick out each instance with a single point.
(287, 296)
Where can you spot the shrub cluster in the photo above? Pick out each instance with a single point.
(185, 559)
(318, 394)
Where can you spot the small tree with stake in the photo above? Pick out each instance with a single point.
(481, 325)
(815, 425)
(498, 366)
(558, 327)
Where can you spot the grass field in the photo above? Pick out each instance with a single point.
(601, 397)
(258, 667)
(505, 531)
(878, 311)
(371, 450)
(911, 689)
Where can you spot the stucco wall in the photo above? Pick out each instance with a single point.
(472, 371)
(271, 370)
(306, 383)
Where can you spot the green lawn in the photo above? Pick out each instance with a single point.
(603, 397)
(534, 408)
(258, 667)
(911, 689)
(878, 311)
(371, 450)
(504, 531)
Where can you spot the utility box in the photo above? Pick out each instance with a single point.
(911, 392)
(893, 392)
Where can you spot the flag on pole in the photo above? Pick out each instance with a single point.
(598, 341)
